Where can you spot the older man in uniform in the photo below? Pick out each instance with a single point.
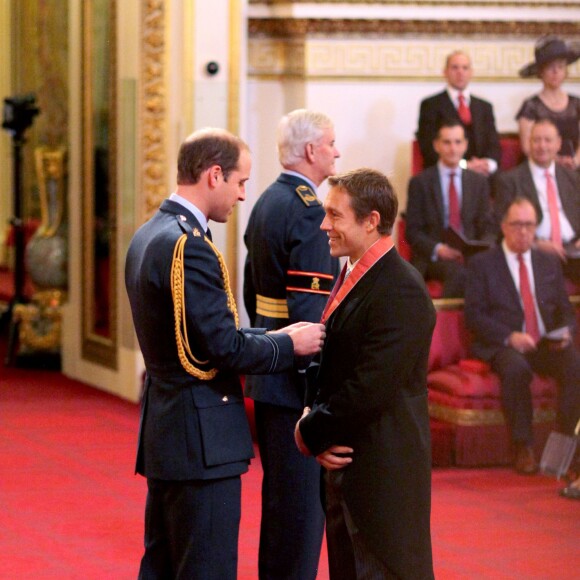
(288, 277)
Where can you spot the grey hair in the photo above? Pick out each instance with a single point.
(296, 130)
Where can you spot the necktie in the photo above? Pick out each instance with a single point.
(463, 110)
(555, 235)
(208, 234)
(530, 316)
(454, 212)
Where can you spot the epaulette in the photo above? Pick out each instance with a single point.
(307, 196)
(186, 228)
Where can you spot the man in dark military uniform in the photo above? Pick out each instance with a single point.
(288, 276)
(194, 439)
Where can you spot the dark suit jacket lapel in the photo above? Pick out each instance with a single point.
(477, 120)
(504, 277)
(570, 199)
(529, 187)
(437, 193)
(450, 110)
(466, 197)
(349, 305)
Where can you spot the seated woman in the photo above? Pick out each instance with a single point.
(552, 56)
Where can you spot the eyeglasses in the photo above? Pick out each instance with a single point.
(522, 225)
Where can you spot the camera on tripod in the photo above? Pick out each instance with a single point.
(19, 112)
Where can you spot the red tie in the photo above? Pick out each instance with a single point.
(556, 235)
(454, 213)
(530, 316)
(463, 110)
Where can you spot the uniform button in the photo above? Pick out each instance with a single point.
(225, 399)
(182, 218)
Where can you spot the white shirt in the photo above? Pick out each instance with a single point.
(514, 267)
(544, 229)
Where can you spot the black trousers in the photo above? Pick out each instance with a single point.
(191, 529)
(292, 517)
(349, 558)
(516, 371)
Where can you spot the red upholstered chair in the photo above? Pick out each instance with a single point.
(434, 287)
(464, 395)
(511, 151)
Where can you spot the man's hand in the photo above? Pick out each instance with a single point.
(307, 337)
(522, 342)
(479, 165)
(551, 248)
(334, 457)
(445, 252)
(298, 436)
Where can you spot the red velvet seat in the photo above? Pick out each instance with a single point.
(465, 395)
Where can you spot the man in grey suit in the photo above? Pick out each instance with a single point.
(553, 190)
(447, 195)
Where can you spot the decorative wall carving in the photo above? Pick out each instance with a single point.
(350, 56)
(154, 106)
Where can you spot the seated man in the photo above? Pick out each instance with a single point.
(553, 190)
(447, 195)
(456, 103)
(517, 308)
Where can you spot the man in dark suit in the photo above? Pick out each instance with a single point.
(288, 277)
(517, 307)
(369, 424)
(553, 190)
(456, 103)
(442, 196)
(194, 438)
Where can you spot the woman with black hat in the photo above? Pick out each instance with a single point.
(552, 56)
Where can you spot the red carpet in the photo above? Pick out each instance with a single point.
(72, 508)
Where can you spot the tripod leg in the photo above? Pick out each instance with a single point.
(12, 343)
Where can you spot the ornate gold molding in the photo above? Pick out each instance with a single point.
(153, 105)
(386, 58)
(298, 27)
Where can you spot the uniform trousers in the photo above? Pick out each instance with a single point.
(516, 372)
(191, 529)
(292, 516)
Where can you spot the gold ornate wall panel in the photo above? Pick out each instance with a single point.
(374, 58)
(40, 66)
(153, 119)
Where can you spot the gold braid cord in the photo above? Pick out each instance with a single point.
(179, 310)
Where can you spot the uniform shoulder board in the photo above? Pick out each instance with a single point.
(307, 196)
(186, 228)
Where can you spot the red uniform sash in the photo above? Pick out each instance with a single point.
(368, 260)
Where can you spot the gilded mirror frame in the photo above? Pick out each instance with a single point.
(99, 327)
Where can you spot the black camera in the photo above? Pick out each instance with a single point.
(19, 112)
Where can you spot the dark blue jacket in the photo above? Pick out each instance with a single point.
(288, 260)
(192, 428)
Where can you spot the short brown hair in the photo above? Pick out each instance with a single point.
(204, 149)
(369, 190)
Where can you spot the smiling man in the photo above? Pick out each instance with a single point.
(443, 196)
(369, 424)
(194, 438)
